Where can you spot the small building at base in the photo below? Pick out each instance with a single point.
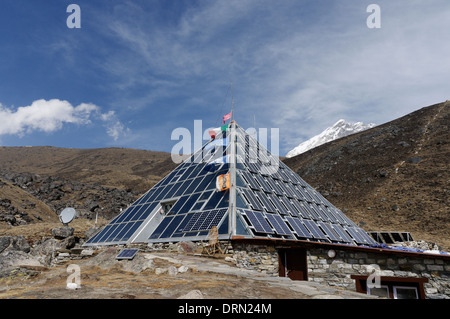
(386, 272)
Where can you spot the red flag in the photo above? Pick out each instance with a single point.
(226, 117)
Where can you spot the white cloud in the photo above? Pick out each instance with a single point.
(114, 127)
(51, 115)
(42, 115)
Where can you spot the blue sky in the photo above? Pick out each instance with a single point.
(137, 70)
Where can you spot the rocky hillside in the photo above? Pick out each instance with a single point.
(37, 183)
(46, 195)
(393, 177)
(130, 169)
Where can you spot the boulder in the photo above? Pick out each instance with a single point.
(87, 252)
(183, 269)
(159, 271)
(69, 242)
(62, 232)
(193, 294)
(185, 247)
(14, 258)
(172, 270)
(47, 250)
(18, 243)
(415, 160)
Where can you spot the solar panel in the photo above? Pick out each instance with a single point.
(264, 184)
(191, 222)
(336, 216)
(250, 180)
(127, 253)
(367, 238)
(319, 212)
(258, 222)
(141, 213)
(303, 193)
(161, 227)
(289, 205)
(213, 219)
(254, 167)
(342, 233)
(314, 229)
(183, 224)
(329, 231)
(280, 226)
(129, 232)
(298, 227)
(301, 209)
(311, 211)
(281, 209)
(286, 189)
(359, 237)
(266, 202)
(200, 220)
(276, 188)
(253, 201)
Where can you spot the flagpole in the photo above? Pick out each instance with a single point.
(232, 199)
(232, 102)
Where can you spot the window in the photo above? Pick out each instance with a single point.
(393, 287)
(166, 207)
(382, 291)
(405, 292)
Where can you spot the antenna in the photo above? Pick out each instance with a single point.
(232, 102)
(67, 215)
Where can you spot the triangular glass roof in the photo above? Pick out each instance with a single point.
(267, 200)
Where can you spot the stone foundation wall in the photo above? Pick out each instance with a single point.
(337, 271)
(256, 257)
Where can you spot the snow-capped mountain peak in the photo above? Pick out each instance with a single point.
(340, 129)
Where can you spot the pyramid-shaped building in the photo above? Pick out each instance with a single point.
(260, 198)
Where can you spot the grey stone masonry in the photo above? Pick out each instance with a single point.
(256, 257)
(337, 271)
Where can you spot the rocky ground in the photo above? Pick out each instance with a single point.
(36, 263)
(58, 193)
(44, 271)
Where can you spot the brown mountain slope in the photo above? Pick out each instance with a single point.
(18, 207)
(93, 181)
(110, 167)
(393, 177)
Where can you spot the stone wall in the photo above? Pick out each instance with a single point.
(256, 257)
(337, 271)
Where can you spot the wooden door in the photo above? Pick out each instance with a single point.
(292, 263)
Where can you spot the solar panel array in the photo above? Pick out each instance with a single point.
(272, 201)
(190, 188)
(187, 225)
(277, 203)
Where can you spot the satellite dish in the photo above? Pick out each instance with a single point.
(67, 215)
